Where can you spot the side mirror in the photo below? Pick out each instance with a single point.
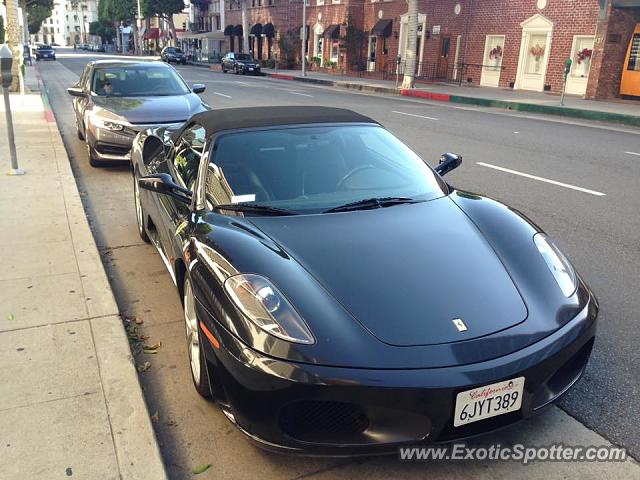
(198, 88)
(164, 184)
(448, 162)
(76, 92)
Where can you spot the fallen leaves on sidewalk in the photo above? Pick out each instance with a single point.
(151, 349)
(11, 317)
(155, 418)
(144, 367)
(201, 469)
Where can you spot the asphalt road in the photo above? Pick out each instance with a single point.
(585, 194)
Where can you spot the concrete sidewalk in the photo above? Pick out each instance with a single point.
(71, 402)
(623, 111)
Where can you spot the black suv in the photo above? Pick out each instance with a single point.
(173, 54)
(240, 63)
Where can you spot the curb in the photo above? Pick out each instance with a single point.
(594, 115)
(137, 451)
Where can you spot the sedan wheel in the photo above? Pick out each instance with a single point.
(92, 158)
(78, 132)
(196, 354)
(142, 231)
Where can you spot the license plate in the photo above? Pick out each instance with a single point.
(251, 69)
(488, 401)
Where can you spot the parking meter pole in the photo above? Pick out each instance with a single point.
(567, 69)
(6, 77)
(12, 141)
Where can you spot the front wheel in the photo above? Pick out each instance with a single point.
(140, 216)
(196, 353)
(93, 161)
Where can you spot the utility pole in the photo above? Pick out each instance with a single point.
(139, 32)
(303, 35)
(412, 42)
(245, 27)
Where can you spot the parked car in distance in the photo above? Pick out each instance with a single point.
(240, 63)
(45, 52)
(114, 100)
(173, 54)
(340, 297)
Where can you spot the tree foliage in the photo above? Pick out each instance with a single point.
(162, 8)
(104, 30)
(37, 12)
(110, 11)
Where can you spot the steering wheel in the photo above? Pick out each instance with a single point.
(351, 173)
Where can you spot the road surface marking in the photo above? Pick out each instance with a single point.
(541, 179)
(222, 95)
(301, 94)
(414, 115)
(244, 84)
(632, 153)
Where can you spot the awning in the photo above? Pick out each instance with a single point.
(332, 31)
(228, 30)
(237, 30)
(152, 34)
(269, 30)
(382, 28)
(256, 29)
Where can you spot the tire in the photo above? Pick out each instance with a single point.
(140, 216)
(78, 132)
(224, 70)
(237, 72)
(92, 159)
(197, 360)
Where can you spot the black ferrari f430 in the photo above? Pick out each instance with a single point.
(340, 297)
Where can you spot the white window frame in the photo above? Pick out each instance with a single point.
(320, 3)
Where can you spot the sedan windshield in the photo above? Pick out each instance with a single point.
(317, 169)
(137, 81)
(243, 56)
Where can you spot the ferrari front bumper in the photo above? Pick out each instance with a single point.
(310, 409)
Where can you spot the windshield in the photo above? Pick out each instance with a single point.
(137, 81)
(173, 50)
(315, 169)
(44, 47)
(243, 56)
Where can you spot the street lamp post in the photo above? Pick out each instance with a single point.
(304, 38)
(6, 60)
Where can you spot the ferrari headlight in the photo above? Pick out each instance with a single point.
(560, 267)
(266, 307)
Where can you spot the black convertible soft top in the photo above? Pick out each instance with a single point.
(256, 117)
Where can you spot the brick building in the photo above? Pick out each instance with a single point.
(522, 44)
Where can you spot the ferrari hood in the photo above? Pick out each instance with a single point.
(416, 274)
(152, 110)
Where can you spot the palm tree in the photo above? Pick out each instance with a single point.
(412, 40)
(15, 42)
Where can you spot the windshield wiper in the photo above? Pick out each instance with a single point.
(254, 208)
(370, 203)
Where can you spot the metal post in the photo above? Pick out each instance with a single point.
(567, 70)
(14, 170)
(304, 38)
(139, 24)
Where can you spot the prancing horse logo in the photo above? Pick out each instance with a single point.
(459, 324)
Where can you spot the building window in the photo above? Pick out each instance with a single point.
(320, 2)
(335, 2)
(270, 2)
(334, 48)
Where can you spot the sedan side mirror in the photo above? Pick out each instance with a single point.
(198, 88)
(164, 184)
(76, 92)
(448, 162)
